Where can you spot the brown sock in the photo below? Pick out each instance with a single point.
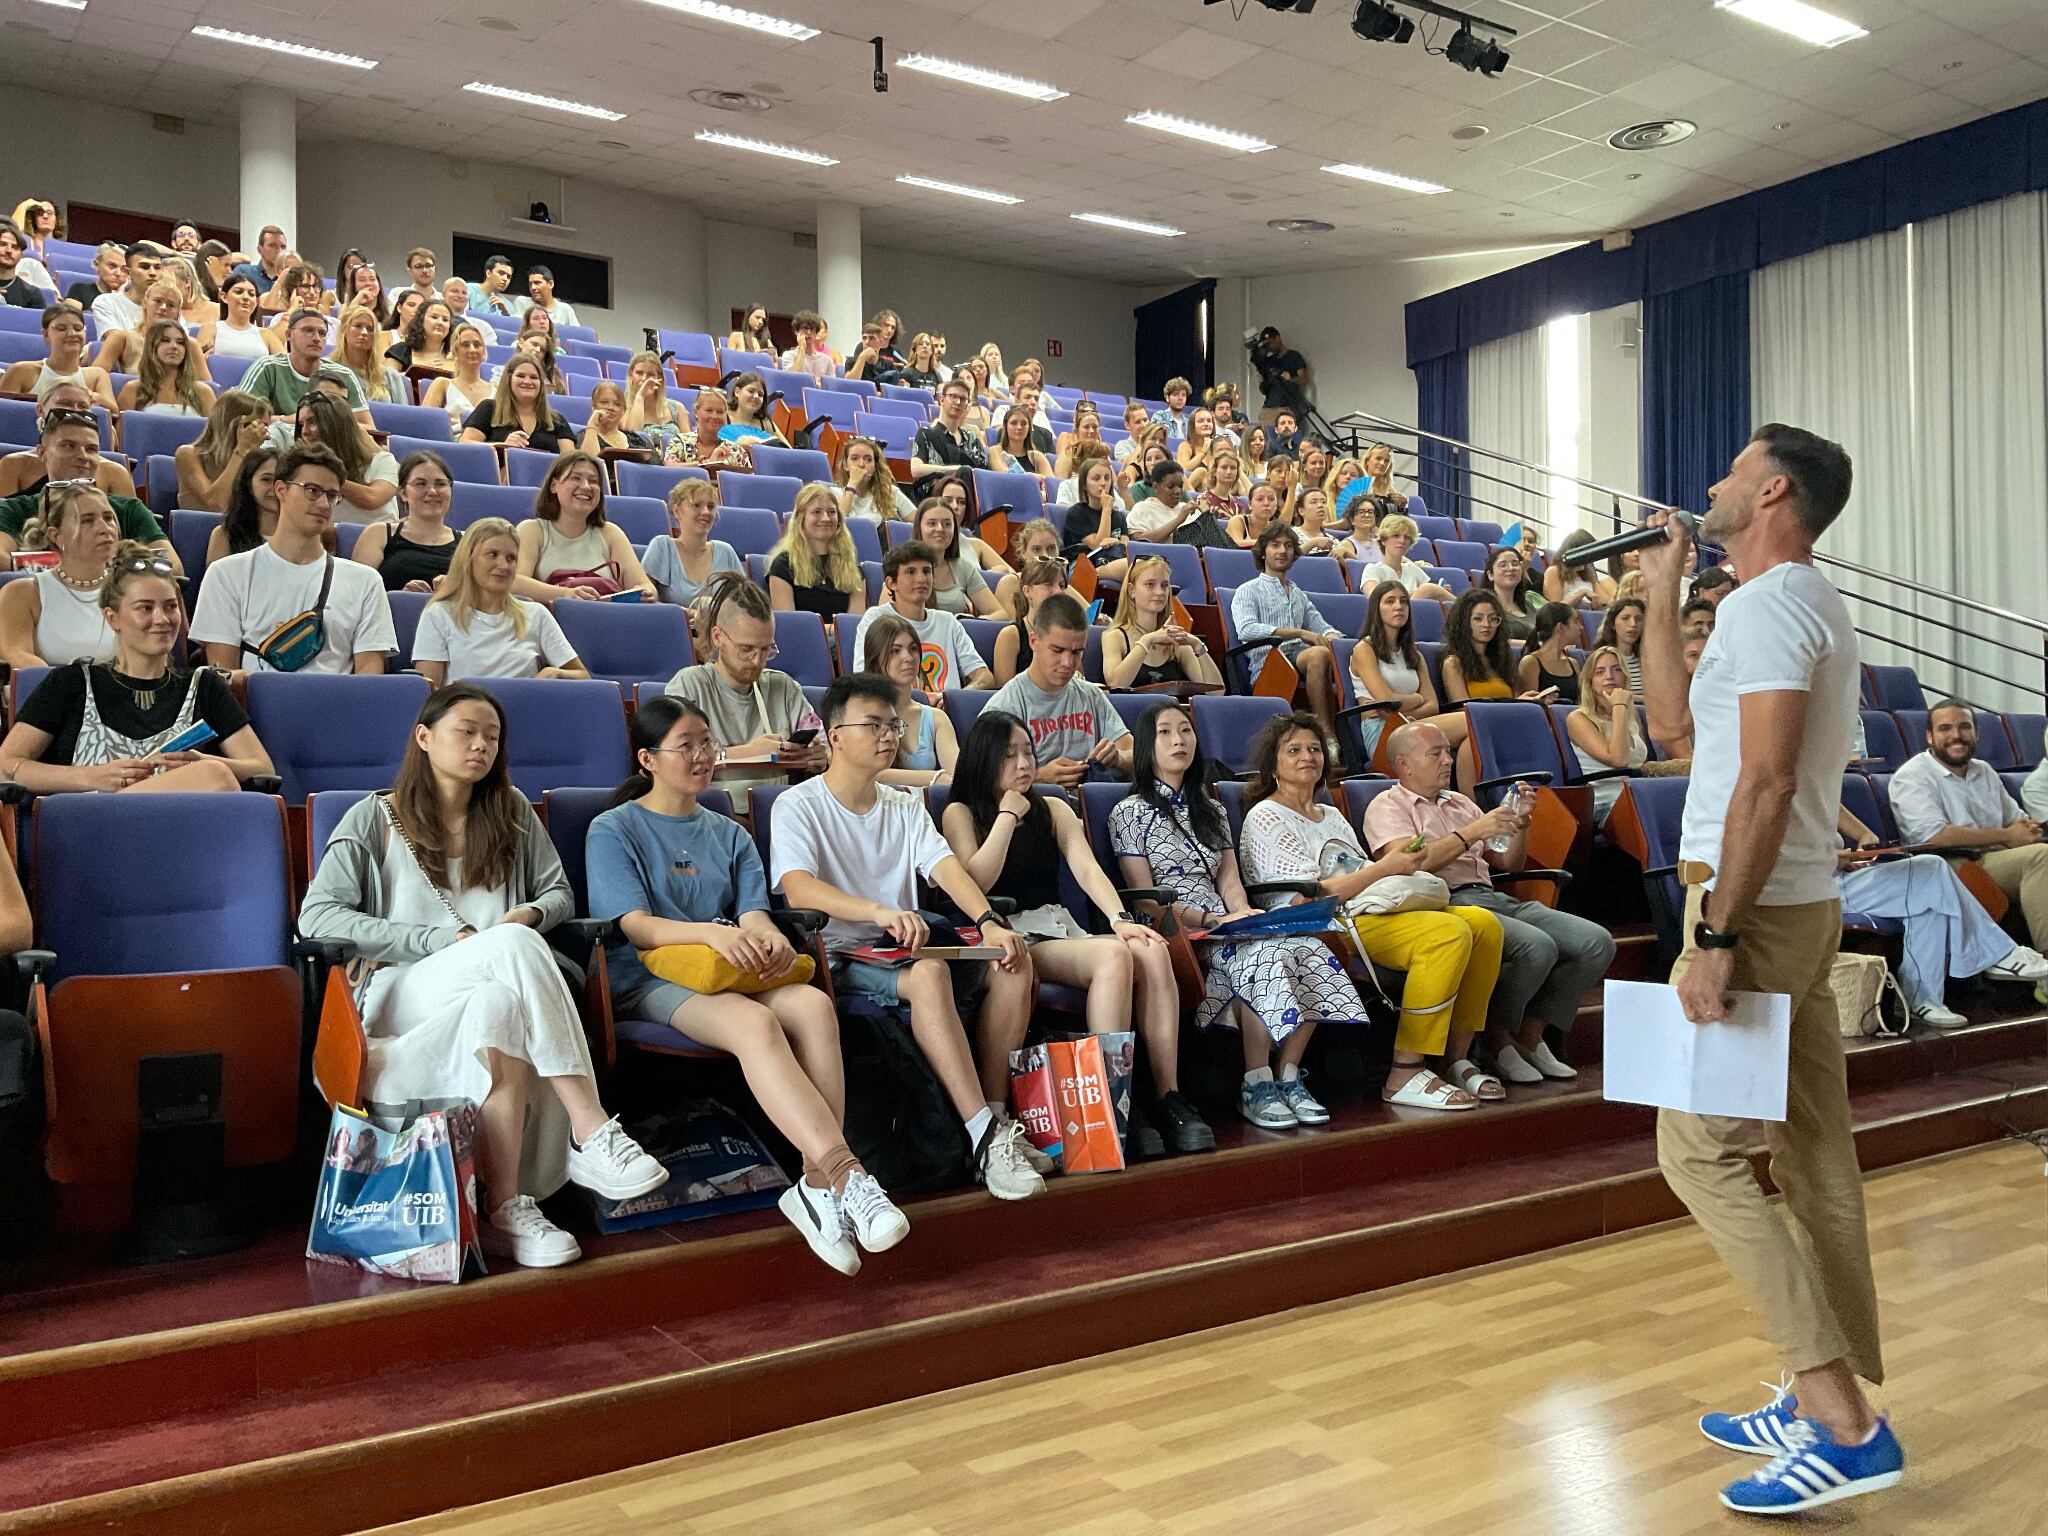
(832, 1169)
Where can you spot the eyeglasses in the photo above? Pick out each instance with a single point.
(766, 652)
(881, 728)
(700, 748)
(320, 495)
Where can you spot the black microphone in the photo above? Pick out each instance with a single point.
(1636, 538)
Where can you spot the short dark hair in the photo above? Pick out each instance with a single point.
(1272, 533)
(491, 263)
(1713, 576)
(1164, 468)
(540, 272)
(141, 248)
(909, 552)
(959, 381)
(1819, 470)
(855, 685)
(1059, 611)
(317, 455)
(1952, 703)
(807, 320)
(1692, 606)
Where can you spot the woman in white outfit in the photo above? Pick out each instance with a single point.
(445, 883)
(54, 616)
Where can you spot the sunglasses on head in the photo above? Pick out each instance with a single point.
(68, 416)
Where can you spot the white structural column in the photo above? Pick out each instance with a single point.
(270, 163)
(839, 298)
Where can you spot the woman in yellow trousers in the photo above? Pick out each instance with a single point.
(1452, 956)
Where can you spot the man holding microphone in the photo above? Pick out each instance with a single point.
(1771, 711)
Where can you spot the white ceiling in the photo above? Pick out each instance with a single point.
(1768, 108)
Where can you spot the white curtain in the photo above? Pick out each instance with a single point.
(1507, 388)
(1924, 353)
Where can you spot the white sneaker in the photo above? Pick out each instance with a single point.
(610, 1163)
(1508, 1062)
(1936, 1016)
(1000, 1164)
(870, 1214)
(1040, 1163)
(2023, 964)
(814, 1213)
(1544, 1060)
(517, 1231)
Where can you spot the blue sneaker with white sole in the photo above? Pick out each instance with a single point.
(1814, 1469)
(1760, 1432)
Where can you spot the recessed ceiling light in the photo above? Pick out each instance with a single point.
(1471, 131)
(554, 103)
(276, 45)
(1222, 138)
(957, 190)
(1795, 18)
(712, 10)
(763, 147)
(1384, 178)
(987, 79)
(1136, 226)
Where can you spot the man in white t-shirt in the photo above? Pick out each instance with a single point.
(1073, 725)
(1770, 711)
(1950, 797)
(949, 659)
(122, 309)
(245, 598)
(846, 832)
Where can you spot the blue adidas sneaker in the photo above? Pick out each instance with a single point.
(1761, 1432)
(1814, 1470)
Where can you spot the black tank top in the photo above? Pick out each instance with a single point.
(406, 561)
(1148, 675)
(1031, 872)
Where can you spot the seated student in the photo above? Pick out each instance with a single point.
(1713, 584)
(247, 602)
(356, 334)
(1014, 449)
(1507, 578)
(122, 351)
(751, 420)
(1550, 960)
(1271, 607)
(672, 873)
(70, 451)
(446, 883)
(1948, 932)
(475, 627)
(1145, 645)
(369, 474)
(1034, 541)
(708, 445)
(1013, 842)
(1451, 956)
(1697, 617)
(518, 414)
(1477, 661)
(682, 563)
(874, 359)
(928, 747)
(1386, 665)
(810, 354)
(1622, 629)
(651, 416)
(94, 726)
(814, 569)
(567, 549)
(464, 388)
(1074, 728)
(948, 443)
(1606, 732)
(958, 586)
(606, 429)
(1171, 833)
(866, 488)
(251, 515)
(753, 710)
(207, 466)
(846, 832)
(956, 492)
(282, 378)
(949, 657)
(1578, 583)
(54, 616)
(1397, 535)
(1261, 510)
(1075, 447)
(1950, 797)
(413, 553)
(1096, 523)
(1546, 664)
(1177, 416)
(1042, 578)
(1165, 517)
(64, 339)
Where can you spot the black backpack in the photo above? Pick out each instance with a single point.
(899, 1121)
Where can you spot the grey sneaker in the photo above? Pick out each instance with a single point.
(1265, 1106)
(1303, 1103)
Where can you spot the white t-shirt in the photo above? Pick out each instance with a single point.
(1926, 797)
(488, 648)
(1411, 575)
(1152, 520)
(244, 597)
(2034, 793)
(949, 657)
(880, 855)
(1786, 630)
(116, 312)
(382, 466)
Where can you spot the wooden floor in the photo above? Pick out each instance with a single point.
(1548, 1395)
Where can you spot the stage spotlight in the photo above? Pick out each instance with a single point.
(1468, 51)
(1379, 23)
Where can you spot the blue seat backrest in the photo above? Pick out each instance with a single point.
(797, 463)
(1229, 567)
(1859, 799)
(1023, 494)
(406, 608)
(324, 810)
(805, 656)
(893, 432)
(775, 492)
(326, 732)
(189, 532)
(963, 704)
(1190, 581)
(750, 530)
(1427, 619)
(1660, 809)
(2027, 731)
(1993, 745)
(1486, 534)
(1225, 725)
(527, 466)
(1514, 736)
(1882, 740)
(655, 480)
(411, 420)
(1897, 688)
(640, 518)
(569, 813)
(692, 347)
(561, 732)
(471, 501)
(143, 435)
(624, 642)
(844, 628)
(465, 461)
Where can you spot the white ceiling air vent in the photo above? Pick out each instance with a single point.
(730, 101)
(1300, 226)
(1660, 134)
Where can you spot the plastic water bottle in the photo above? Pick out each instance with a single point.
(1520, 801)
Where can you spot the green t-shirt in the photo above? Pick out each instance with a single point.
(273, 379)
(137, 521)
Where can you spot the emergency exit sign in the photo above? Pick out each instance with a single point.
(1054, 349)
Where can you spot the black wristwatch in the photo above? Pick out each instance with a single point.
(1707, 938)
(991, 916)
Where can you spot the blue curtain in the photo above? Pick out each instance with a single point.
(1442, 405)
(1171, 343)
(1695, 387)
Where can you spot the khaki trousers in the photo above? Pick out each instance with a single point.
(2022, 873)
(1806, 1267)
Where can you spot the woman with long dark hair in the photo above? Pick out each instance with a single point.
(446, 884)
(251, 515)
(1171, 832)
(1014, 841)
(673, 874)
(1507, 578)
(1387, 665)
(1477, 662)
(1546, 664)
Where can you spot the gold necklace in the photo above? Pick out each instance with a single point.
(145, 698)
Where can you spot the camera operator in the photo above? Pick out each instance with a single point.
(1283, 377)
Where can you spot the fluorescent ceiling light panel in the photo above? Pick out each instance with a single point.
(1795, 18)
(763, 147)
(1222, 138)
(1136, 226)
(69, 5)
(1384, 178)
(974, 74)
(957, 190)
(553, 103)
(276, 45)
(713, 10)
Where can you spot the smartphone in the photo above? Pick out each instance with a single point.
(1416, 844)
(630, 595)
(197, 735)
(1547, 693)
(804, 737)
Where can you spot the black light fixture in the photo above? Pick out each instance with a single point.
(1380, 23)
(1468, 50)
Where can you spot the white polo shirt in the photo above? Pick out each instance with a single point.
(1926, 797)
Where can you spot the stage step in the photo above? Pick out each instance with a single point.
(332, 1417)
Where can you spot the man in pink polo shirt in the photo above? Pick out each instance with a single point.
(1550, 960)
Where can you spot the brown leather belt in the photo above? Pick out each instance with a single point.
(1693, 872)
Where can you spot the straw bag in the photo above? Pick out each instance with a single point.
(1862, 985)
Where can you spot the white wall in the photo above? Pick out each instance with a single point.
(60, 148)
(1616, 396)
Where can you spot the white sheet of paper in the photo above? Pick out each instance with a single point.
(1655, 1055)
